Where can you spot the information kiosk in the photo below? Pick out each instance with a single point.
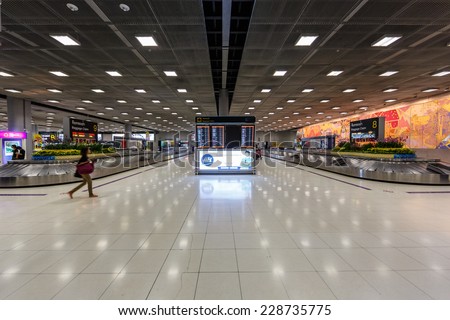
(225, 145)
(7, 140)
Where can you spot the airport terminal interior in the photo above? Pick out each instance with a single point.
(244, 149)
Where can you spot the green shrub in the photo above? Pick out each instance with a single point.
(390, 151)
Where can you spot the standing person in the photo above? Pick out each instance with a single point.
(20, 153)
(14, 151)
(86, 176)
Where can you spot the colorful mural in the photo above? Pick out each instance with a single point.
(424, 124)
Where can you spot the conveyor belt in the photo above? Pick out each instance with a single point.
(38, 173)
(415, 171)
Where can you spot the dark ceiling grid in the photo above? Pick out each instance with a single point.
(346, 30)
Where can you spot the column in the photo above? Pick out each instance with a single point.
(128, 135)
(19, 120)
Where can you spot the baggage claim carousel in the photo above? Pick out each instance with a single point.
(413, 171)
(24, 173)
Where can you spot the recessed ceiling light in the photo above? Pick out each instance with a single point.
(121, 101)
(266, 90)
(100, 113)
(198, 113)
(306, 40)
(171, 73)
(124, 7)
(158, 117)
(430, 90)
(271, 113)
(166, 108)
(194, 108)
(189, 101)
(343, 112)
(390, 100)
(59, 73)
(388, 73)
(115, 117)
(348, 90)
(279, 73)
(13, 90)
(51, 113)
(386, 40)
(363, 108)
(124, 113)
(147, 41)
(138, 108)
(136, 117)
(65, 39)
(80, 108)
(174, 113)
(251, 108)
(53, 101)
(109, 108)
(358, 100)
(308, 108)
(182, 90)
(72, 7)
(247, 113)
(441, 74)
(390, 90)
(114, 73)
(54, 90)
(334, 73)
(324, 100)
(6, 74)
(329, 117)
(149, 113)
(290, 101)
(87, 101)
(320, 113)
(307, 90)
(98, 90)
(140, 90)
(156, 101)
(308, 117)
(279, 108)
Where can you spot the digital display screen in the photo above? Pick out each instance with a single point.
(217, 136)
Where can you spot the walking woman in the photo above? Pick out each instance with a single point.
(85, 167)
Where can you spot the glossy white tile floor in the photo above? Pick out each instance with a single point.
(285, 233)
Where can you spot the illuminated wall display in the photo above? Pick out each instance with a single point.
(367, 129)
(80, 129)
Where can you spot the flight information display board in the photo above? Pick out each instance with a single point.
(218, 136)
(225, 145)
(247, 136)
(202, 136)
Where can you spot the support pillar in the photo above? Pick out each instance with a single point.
(19, 120)
(128, 135)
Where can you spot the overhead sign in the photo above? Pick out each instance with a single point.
(225, 119)
(372, 129)
(83, 129)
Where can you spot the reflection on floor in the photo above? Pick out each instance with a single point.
(285, 233)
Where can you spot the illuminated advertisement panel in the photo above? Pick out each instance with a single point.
(225, 160)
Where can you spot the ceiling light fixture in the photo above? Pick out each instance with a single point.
(358, 100)
(72, 7)
(65, 39)
(114, 73)
(386, 40)
(182, 90)
(109, 108)
(388, 73)
(138, 108)
(307, 90)
(54, 90)
(147, 41)
(430, 90)
(390, 90)
(335, 108)
(325, 100)
(6, 74)
(290, 101)
(59, 73)
(87, 101)
(121, 101)
(265, 90)
(306, 40)
(124, 7)
(334, 73)
(390, 100)
(170, 73)
(441, 74)
(98, 90)
(348, 90)
(140, 90)
(53, 101)
(189, 101)
(13, 90)
(308, 108)
(279, 73)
